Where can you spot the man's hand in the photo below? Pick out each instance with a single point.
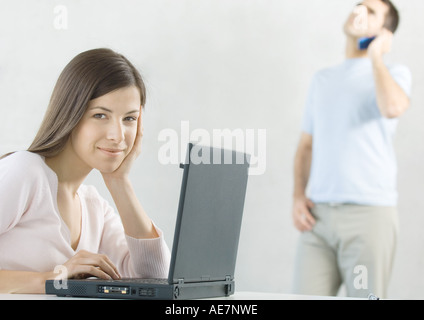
(381, 45)
(302, 217)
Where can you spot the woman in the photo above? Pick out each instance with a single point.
(47, 216)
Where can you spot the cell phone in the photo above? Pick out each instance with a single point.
(364, 42)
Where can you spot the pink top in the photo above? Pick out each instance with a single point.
(33, 236)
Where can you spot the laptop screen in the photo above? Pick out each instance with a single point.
(209, 215)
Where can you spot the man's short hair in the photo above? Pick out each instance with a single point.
(392, 17)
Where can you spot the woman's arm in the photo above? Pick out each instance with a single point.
(82, 265)
(148, 255)
(23, 281)
(134, 219)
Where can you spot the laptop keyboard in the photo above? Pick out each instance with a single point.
(140, 280)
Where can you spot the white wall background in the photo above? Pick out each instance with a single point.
(217, 64)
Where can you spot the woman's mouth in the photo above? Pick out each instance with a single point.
(111, 152)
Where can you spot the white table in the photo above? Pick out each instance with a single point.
(245, 295)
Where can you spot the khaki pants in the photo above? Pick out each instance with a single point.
(350, 244)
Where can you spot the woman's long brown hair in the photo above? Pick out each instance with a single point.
(91, 74)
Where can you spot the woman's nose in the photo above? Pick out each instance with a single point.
(115, 131)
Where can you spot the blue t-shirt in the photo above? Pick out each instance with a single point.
(353, 159)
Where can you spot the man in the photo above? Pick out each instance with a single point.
(345, 195)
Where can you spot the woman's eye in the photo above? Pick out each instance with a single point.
(130, 119)
(99, 116)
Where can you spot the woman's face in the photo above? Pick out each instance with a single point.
(106, 132)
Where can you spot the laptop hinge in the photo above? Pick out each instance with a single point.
(228, 287)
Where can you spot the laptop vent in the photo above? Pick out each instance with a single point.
(147, 292)
(77, 290)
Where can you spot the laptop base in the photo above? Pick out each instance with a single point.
(130, 289)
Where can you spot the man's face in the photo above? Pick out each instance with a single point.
(367, 19)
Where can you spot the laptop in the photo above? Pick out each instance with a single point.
(206, 235)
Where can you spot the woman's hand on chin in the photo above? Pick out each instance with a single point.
(122, 172)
